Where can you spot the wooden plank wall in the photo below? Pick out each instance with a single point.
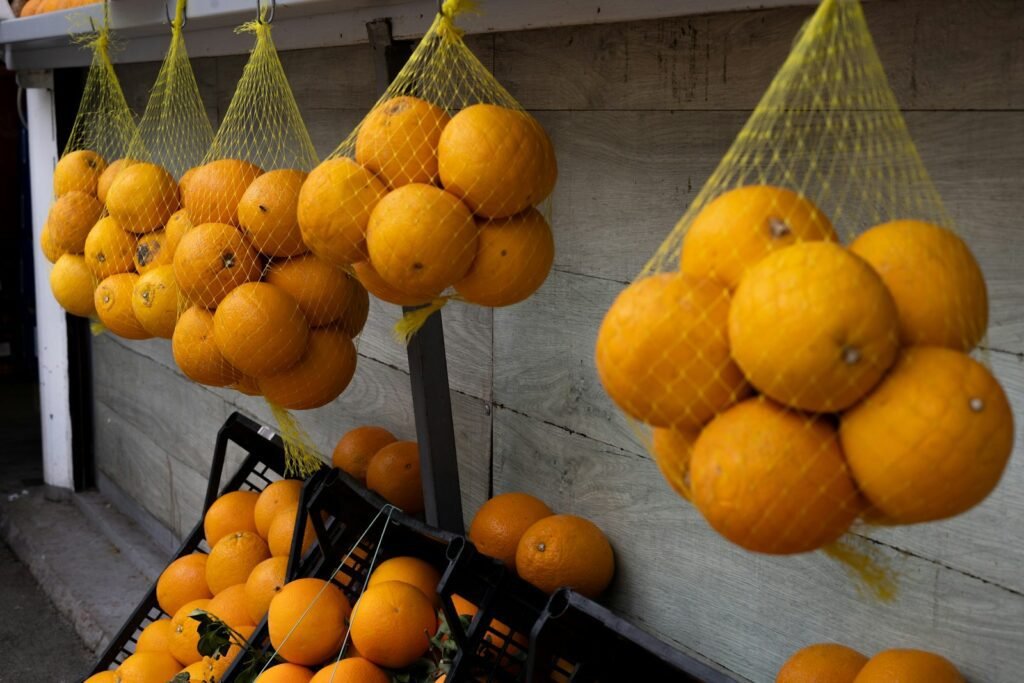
(640, 113)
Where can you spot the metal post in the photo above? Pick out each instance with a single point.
(428, 367)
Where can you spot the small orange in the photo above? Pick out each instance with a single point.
(233, 558)
(394, 473)
(411, 570)
(265, 581)
(398, 140)
(72, 285)
(184, 639)
(501, 522)
(78, 172)
(230, 607)
(142, 197)
(275, 497)
(285, 673)
(672, 450)
(233, 511)
(260, 329)
(308, 621)
(565, 550)
(211, 260)
(267, 212)
(282, 531)
(319, 377)
(375, 284)
(50, 250)
(196, 352)
(109, 249)
(155, 637)
(177, 225)
(351, 670)
(106, 179)
(147, 667)
(152, 251)
(357, 446)
(353, 320)
(155, 301)
(392, 624)
(822, 663)
(183, 581)
(71, 218)
(908, 666)
(321, 290)
(213, 191)
(113, 299)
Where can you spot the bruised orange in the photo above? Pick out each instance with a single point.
(155, 301)
(375, 284)
(211, 260)
(113, 299)
(72, 285)
(398, 140)
(501, 522)
(394, 473)
(321, 290)
(71, 218)
(318, 377)
(267, 212)
(565, 550)
(196, 352)
(260, 329)
(354, 450)
(78, 171)
(214, 190)
(142, 197)
(109, 249)
(152, 251)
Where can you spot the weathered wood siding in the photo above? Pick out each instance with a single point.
(640, 114)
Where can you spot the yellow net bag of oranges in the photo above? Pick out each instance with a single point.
(801, 344)
(432, 197)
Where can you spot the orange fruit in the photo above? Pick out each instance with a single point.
(214, 190)
(103, 676)
(184, 181)
(113, 299)
(233, 558)
(71, 218)
(217, 665)
(398, 140)
(353, 320)
(421, 239)
(411, 570)
(933, 277)
(501, 522)
(78, 172)
(247, 385)
(211, 260)
(672, 450)
(565, 550)
(932, 440)
(740, 227)
(233, 511)
(50, 250)
(177, 225)
(109, 249)
(351, 670)
(275, 497)
(152, 251)
(320, 376)
(375, 284)
(107, 177)
(822, 663)
(155, 301)
(773, 480)
(334, 209)
(72, 285)
(282, 531)
(197, 671)
(142, 197)
(394, 473)
(155, 637)
(185, 632)
(663, 351)
(308, 621)
(496, 175)
(813, 326)
(321, 290)
(513, 258)
(197, 354)
(908, 666)
(147, 667)
(265, 581)
(183, 581)
(357, 446)
(392, 624)
(230, 607)
(267, 212)
(260, 329)
(286, 673)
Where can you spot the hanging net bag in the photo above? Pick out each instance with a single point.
(799, 346)
(432, 197)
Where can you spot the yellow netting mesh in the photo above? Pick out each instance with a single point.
(799, 344)
(432, 196)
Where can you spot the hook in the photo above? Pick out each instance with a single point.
(259, 11)
(184, 15)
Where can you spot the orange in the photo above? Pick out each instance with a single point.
(230, 607)
(392, 624)
(233, 511)
(663, 351)
(214, 190)
(421, 239)
(312, 614)
(513, 258)
(113, 299)
(932, 440)
(177, 225)
(152, 251)
(71, 218)
(353, 320)
(908, 666)
(211, 260)
(497, 175)
(565, 550)
(274, 498)
(185, 632)
(319, 377)
(155, 301)
(109, 249)
(196, 671)
(103, 676)
(197, 354)
(672, 450)
(813, 326)
(334, 209)
(773, 480)
(247, 385)
(106, 178)
(267, 212)
(501, 522)
(357, 446)
(822, 663)
(933, 277)
(398, 140)
(375, 284)
(351, 670)
(394, 473)
(321, 290)
(155, 637)
(78, 172)
(184, 181)
(233, 558)
(183, 581)
(282, 531)
(147, 667)
(50, 250)
(260, 329)
(142, 197)
(285, 673)
(72, 285)
(265, 581)
(740, 227)
(217, 665)
(411, 570)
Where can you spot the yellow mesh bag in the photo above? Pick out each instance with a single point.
(799, 344)
(432, 196)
